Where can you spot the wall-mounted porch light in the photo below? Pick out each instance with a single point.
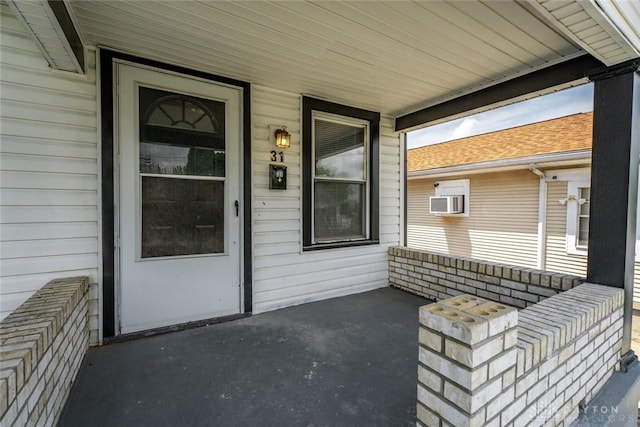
(572, 198)
(282, 137)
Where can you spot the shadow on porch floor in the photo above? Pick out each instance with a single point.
(340, 362)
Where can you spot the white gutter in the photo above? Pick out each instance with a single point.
(542, 216)
(571, 157)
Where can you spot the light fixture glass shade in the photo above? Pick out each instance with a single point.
(283, 139)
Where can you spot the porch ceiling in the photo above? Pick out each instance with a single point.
(392, 57)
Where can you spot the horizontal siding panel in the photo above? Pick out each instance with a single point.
(278, 214)
(24, 197)
(279, 237)
(317, 261)
(311, 261)
(40, 248)
(28, 59)
(341, 289)
(21, 110)
(51, 181)
(275, 226)
(278, 248)
(30, 163)
(41, 130)
(333, 283)
(37, 231)
(50, 81)
(48, 97)
(47, 147)
(47, 214)
(286, 201)
(48, 264)
(33, 282)
(10, 302)
(17, 39)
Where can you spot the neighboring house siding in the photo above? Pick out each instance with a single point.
(48, 206)
(502, 222)
(283, 274)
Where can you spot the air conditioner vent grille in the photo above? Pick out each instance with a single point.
(446, 204)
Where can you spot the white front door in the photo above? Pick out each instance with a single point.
(178, 219)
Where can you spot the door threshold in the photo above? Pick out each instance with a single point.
(173, 328)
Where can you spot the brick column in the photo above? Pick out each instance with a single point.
(467, 361)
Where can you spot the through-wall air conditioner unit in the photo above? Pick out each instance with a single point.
(446, 204)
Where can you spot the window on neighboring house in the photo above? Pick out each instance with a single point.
(582, 233)
(578, 203)
(340, 175)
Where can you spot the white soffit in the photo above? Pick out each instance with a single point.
(607, 29)
(388, 56)
(38, 19)
(625, 16)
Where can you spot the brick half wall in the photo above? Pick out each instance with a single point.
(485, 364)
(42, 344)
(440, 276)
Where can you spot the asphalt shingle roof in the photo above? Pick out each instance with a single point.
(564, 134)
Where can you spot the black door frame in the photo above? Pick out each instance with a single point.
(105, 76)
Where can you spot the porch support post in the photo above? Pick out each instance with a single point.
(614, 185)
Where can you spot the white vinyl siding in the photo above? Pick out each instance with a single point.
(48, 173)
(502, 222)
(283, 275)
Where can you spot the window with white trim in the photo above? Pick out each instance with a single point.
(578, 203)
(340, 150)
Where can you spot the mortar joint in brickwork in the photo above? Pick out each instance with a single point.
(28, 337)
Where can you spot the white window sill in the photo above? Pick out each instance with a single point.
(577, 251)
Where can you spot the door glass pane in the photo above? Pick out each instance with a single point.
(169, 159)
(181, 135)
(339, 211)
(182, 217)
(339, 150)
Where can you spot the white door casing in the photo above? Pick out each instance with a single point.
(162, 290)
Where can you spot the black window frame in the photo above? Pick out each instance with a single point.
(309, 105)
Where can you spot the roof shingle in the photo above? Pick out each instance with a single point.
(564, 134)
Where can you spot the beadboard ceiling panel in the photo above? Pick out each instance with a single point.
(392, 57)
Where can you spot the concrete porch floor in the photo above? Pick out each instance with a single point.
(340, 362)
